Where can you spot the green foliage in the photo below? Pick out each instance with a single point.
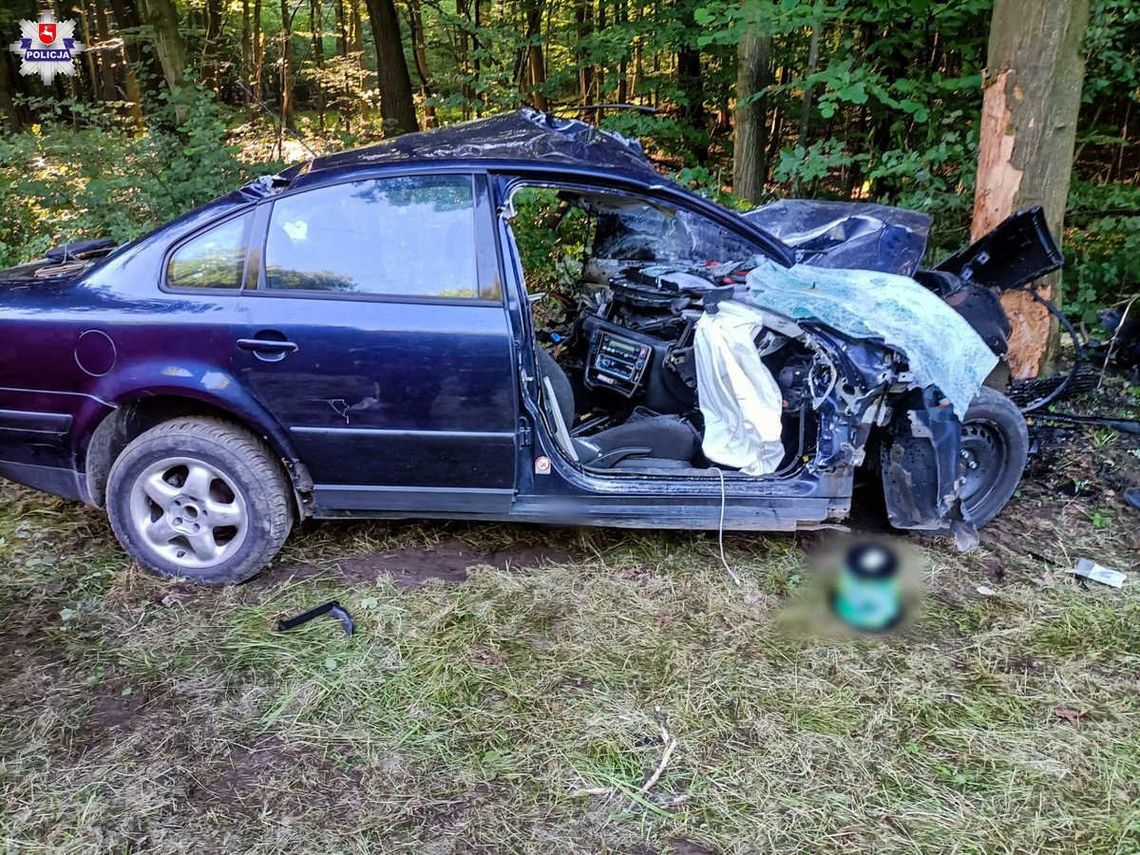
(893, 114)
(552, 237)
(1112, 45)
(666, 138)
(59, 184)
(1102, 247)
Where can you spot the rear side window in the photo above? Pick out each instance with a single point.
(213, 259)
(411, 236)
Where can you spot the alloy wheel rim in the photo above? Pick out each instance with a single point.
(188, 512)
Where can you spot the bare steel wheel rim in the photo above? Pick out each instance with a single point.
(188, 512)
(985, 455)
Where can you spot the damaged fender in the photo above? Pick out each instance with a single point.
(919, 463)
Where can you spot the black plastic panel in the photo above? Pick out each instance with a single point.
(1018, 251)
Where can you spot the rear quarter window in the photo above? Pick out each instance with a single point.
(212, 259)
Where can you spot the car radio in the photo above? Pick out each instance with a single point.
(617, 363)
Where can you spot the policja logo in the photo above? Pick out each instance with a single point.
(47, 47)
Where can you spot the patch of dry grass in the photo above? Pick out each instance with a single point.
(526, 708)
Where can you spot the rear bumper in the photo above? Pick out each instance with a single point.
(62, 482)
(36, 443)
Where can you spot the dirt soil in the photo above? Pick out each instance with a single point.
(449, 561)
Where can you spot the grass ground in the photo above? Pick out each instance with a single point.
(527, 705)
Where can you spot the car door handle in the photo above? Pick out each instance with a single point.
(267, 345)
(268, 349)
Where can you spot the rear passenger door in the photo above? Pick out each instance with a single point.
(375, 331)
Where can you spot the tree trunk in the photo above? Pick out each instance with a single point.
(462, 54)
(139, 61)
(536, 61)
(749, 156)
(162, 16)
(343, 46)
(638, 73)
(286, 61)
(415, 16)
(89, 56)
(397, 108)
(583, 26)
(341, 29)
(600, 68)
(7, 104)
(257, 45)
(246, 47)
(1034, 75)
(211, 50)
(476, 58)
(356, 29)
(132, 88)
(316, 25)
(812, 65)
(108, 58)
(622, 13)
(691, 83)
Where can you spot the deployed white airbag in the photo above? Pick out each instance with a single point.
(738, 396)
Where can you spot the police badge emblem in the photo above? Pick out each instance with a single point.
(48, 47)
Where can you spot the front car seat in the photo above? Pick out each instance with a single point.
(642, 442)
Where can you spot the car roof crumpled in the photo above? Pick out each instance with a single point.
(941, 347)
(524, 135)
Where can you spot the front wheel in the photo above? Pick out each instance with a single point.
(199, 498)
(995, 447)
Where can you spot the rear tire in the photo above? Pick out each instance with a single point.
(199, 498)
(995, 448)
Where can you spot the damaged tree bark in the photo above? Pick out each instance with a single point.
(1035, 71)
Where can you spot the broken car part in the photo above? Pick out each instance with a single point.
(1130, 426)
(1088, 569)
(332, 607)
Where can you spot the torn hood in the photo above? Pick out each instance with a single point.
(837, 235)
(847, 235)
(940, 346)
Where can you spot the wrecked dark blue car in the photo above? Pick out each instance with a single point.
(356, 337)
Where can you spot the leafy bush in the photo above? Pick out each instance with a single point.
(1102, 247)
(553, 238)
(59, 183)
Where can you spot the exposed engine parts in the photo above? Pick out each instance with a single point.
(631, 349)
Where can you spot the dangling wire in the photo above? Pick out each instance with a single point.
(1078, 355)
(720, 529)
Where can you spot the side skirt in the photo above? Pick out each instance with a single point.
(782, 514)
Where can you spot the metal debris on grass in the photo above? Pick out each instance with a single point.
(332, 607)
(1088, 569)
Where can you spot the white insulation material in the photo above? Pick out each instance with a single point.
(739, 397)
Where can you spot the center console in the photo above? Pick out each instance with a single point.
(617, 362)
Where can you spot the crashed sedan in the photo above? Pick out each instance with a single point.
(358, 336)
